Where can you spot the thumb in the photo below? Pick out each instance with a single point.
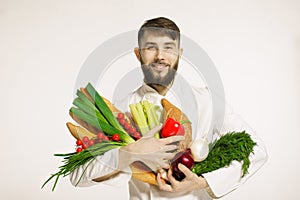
(152, 132)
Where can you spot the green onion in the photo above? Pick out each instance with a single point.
(74, 160)
(89, 109)
(101, 105)
(101, 125)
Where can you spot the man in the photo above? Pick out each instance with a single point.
(159, 53)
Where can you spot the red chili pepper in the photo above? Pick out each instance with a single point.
(170, 128)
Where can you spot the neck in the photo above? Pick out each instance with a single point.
(161, 89)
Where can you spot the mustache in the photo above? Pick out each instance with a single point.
(158, 63)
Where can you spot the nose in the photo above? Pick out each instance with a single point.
(160, 54)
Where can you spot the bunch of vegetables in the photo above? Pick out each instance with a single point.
(102, 130)
(198, 158)
(232, 146)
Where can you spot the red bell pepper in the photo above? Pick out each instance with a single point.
(171, 128)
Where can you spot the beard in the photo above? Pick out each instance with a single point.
(156, 78)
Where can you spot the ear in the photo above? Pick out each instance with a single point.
(137, 53)
(180, 52)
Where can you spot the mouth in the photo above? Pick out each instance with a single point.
(159, 66)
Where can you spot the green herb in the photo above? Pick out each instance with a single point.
(231, 146)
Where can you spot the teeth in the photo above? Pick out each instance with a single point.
(159, 66)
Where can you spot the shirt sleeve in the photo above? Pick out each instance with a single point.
(101, 166)
(226, 179)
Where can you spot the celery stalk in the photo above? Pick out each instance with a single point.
(151, 114)
(144, 127)
(152, 117)
(139, 117)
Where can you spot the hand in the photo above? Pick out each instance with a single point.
(155, 153)
(189, 183)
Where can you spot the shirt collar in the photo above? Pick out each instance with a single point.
(146, 89)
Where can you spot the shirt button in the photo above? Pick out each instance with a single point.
(148, 96)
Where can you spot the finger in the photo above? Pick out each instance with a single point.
(163, 174)
(169, 148)
(172, 139)
(152, 132)
(162, 163)
(161, 185)
(167, 156)
(171, 178)
(187, 172)
(165, 165)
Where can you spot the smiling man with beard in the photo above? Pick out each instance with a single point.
(159, 52)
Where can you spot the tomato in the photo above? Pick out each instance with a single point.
(138, 136)
(85, 140)
(79, 142)
(105, 138)
(116, 137)
(122, 122)
(120, 116)
(84, 146)
(100, 135)
(91, 143)
(133, 131)
(127, 126)
(99, 140)
(170, 128)
(79, 149)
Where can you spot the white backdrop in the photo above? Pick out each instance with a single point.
(255, 46)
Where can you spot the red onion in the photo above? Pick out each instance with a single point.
(184, 158)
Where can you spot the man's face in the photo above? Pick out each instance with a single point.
(159, 56)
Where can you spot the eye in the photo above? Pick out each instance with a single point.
(151, 48)
(169, 48)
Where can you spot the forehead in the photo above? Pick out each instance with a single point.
(157, 38)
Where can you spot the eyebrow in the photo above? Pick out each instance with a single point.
(167, 43)
(170, 43)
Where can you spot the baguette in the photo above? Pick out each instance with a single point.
(171, 111)
(79, 132)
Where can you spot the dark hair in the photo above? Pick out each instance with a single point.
(160, 25)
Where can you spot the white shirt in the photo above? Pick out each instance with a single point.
(221, 181)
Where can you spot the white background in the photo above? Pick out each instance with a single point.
(255, 46)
